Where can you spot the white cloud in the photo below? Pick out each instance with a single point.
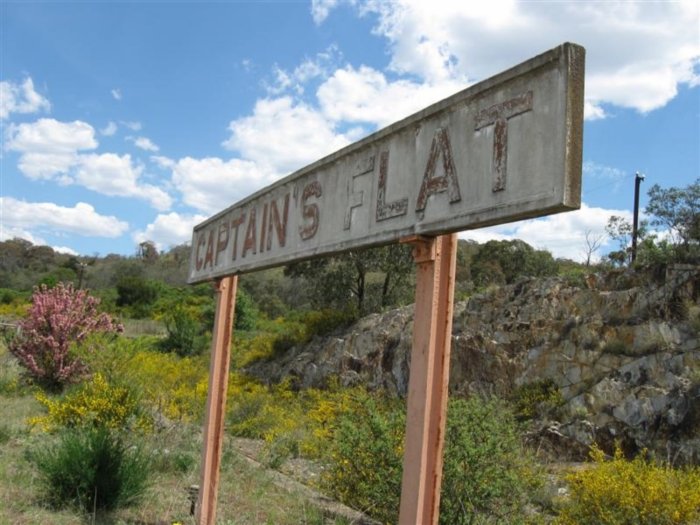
(601, 171)
(21, 98)
(111, 174)
(169, 230)
(321, 8)
(211, 184)
(48, 147)
(311, 68)
(116, 94)
(144, 143)
(365, 95)
(47, 135)
(282, 136)
(109, 130)
(637, 52)
(564, 234)
(64, 249)
(132, 125)
(50, 150)
(163, 162)
(82, 219)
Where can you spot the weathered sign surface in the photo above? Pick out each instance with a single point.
(505, 149)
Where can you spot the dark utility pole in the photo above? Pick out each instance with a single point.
(638, 178)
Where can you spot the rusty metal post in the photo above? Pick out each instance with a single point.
(428, 381)
(216, 399)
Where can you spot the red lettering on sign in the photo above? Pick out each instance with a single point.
(201, 241)
(235, 223)
(498, 115)
(250, 234)
(263, 230)
(209, 256)
(280, 224)
(222, 241)
(431, 184)
(387, 210)
(310, 212)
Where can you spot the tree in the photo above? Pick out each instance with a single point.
(619, 230)
(58, 318)
(678, 210)
(592, 245)
(367, 279)
(501, 262)
(138, 294)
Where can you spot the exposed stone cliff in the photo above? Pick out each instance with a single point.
(624, 351)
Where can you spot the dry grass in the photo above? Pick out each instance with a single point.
(139, 327)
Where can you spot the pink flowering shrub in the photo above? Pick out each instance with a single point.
(58, 318)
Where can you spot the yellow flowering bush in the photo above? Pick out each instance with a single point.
(94, 403)
(174, 386)
(291, 422)
(636, 492)
(168, 385)
(14, 310)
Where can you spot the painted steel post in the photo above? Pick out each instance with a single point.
(216, 399)
(428, 381)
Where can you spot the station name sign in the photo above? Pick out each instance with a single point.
(505, 149)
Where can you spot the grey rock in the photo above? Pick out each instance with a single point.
(621, 356)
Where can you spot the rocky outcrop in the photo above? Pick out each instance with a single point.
(624, 353)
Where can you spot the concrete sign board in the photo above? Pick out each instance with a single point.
(505, 149)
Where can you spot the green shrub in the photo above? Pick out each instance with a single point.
(246, 315)
(538, 398)
(182, 331)
(324, 322)
(5, 433)
(487, 474)
(137, 295)
(365, 459)
(637, 492)
(92, 469)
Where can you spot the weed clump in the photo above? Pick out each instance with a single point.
(92, 469)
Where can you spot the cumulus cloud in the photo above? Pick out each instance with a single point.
(21, 98)
(49, 147)
(638, 53)
(365, 95)
(33, 217)
(212, 184)
(169, 230)
(564, 234)
(52, 150)
(112, 174)
(283, 135)
(64, 249)
(51, 136)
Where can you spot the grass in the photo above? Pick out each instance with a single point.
(247, 495)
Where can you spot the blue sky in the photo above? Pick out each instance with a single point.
(128, 121)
